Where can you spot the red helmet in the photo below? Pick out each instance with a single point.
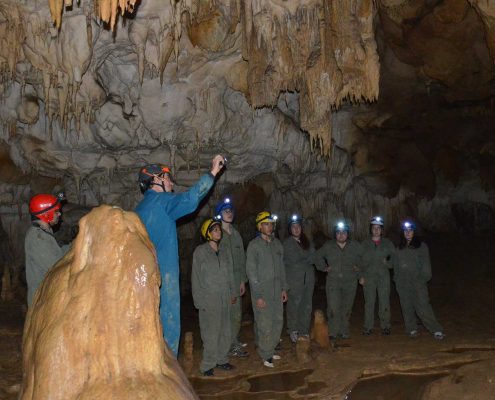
(43, 207)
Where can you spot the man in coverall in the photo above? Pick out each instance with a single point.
(266, 274)
(233, 245)
(341, 259)
(378, 260)
(41, 249)
(159, 210)
(213, 295)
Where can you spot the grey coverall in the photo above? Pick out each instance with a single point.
(378, 259)
(300, 276)
(266, 274)
(411, 274)
(233, 245)
(211, 290)
(341, 282)
(42, 252)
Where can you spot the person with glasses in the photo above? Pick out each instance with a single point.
(233, 245)
(341, 260)
(412, 271)
(159, 210)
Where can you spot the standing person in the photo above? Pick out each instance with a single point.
(233, 245)
(300, 275)
(159, 210)
(266, 274)
(41, 248)
(213, 295)
(378, 259)
(341, 259)
(412, 271)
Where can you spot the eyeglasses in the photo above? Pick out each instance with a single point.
(228, 211)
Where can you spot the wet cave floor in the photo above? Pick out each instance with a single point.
(462, 366)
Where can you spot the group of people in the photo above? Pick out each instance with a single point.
(285, 272)
(277, 272)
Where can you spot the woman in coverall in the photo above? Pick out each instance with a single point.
(378, 260)
(213, 294)
(300, 276)
(411, 274)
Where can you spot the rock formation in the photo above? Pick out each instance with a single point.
(275, 86)
(319, 332)
(93, 331)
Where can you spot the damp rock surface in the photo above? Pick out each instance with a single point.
(93, 331)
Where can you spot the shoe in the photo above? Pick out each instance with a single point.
(414, 333)
(242, 344)
(276, 357)
(439, 335)
(367, 332)
(238, 352)
(226, 367)
(268, 363)
(293, 336)
(386, 331)
(209, 372)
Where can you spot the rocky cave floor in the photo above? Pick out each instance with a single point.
(376, 367)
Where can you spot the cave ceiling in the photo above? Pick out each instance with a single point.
(337, 108)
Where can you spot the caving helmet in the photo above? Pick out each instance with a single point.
(295, 219)
(376, 220)
(265, 216)
(43, 206)
(341, 226)
(225, 204)
(148, 172)
(207, 226)
(408, 226)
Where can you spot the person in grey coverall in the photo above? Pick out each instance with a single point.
(213, 294)
(233, 245)
(300, 276)
(378, 260)
(41, 249)
(412, 271)
(341, 259)
(266, 274)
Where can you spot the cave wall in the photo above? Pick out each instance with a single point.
(329, 108)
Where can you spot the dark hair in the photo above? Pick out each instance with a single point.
(415, 242)
(303, 241)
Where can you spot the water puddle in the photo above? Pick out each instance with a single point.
(457, 350)
(392, 387)
(216, 385)
(312, 389)
(280, 382)
(275, 386)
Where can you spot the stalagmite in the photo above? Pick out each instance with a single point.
(93, 330)
(302, 349)
(319, 333)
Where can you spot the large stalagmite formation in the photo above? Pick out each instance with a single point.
(93, 331)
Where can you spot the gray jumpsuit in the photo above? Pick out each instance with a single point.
(233, 245)
(411, 274)
(341, 282)
(42, 252)
(300, 276)
(266, 274)
(378, 259)
(211, 289)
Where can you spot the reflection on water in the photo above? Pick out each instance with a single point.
(392, 387)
